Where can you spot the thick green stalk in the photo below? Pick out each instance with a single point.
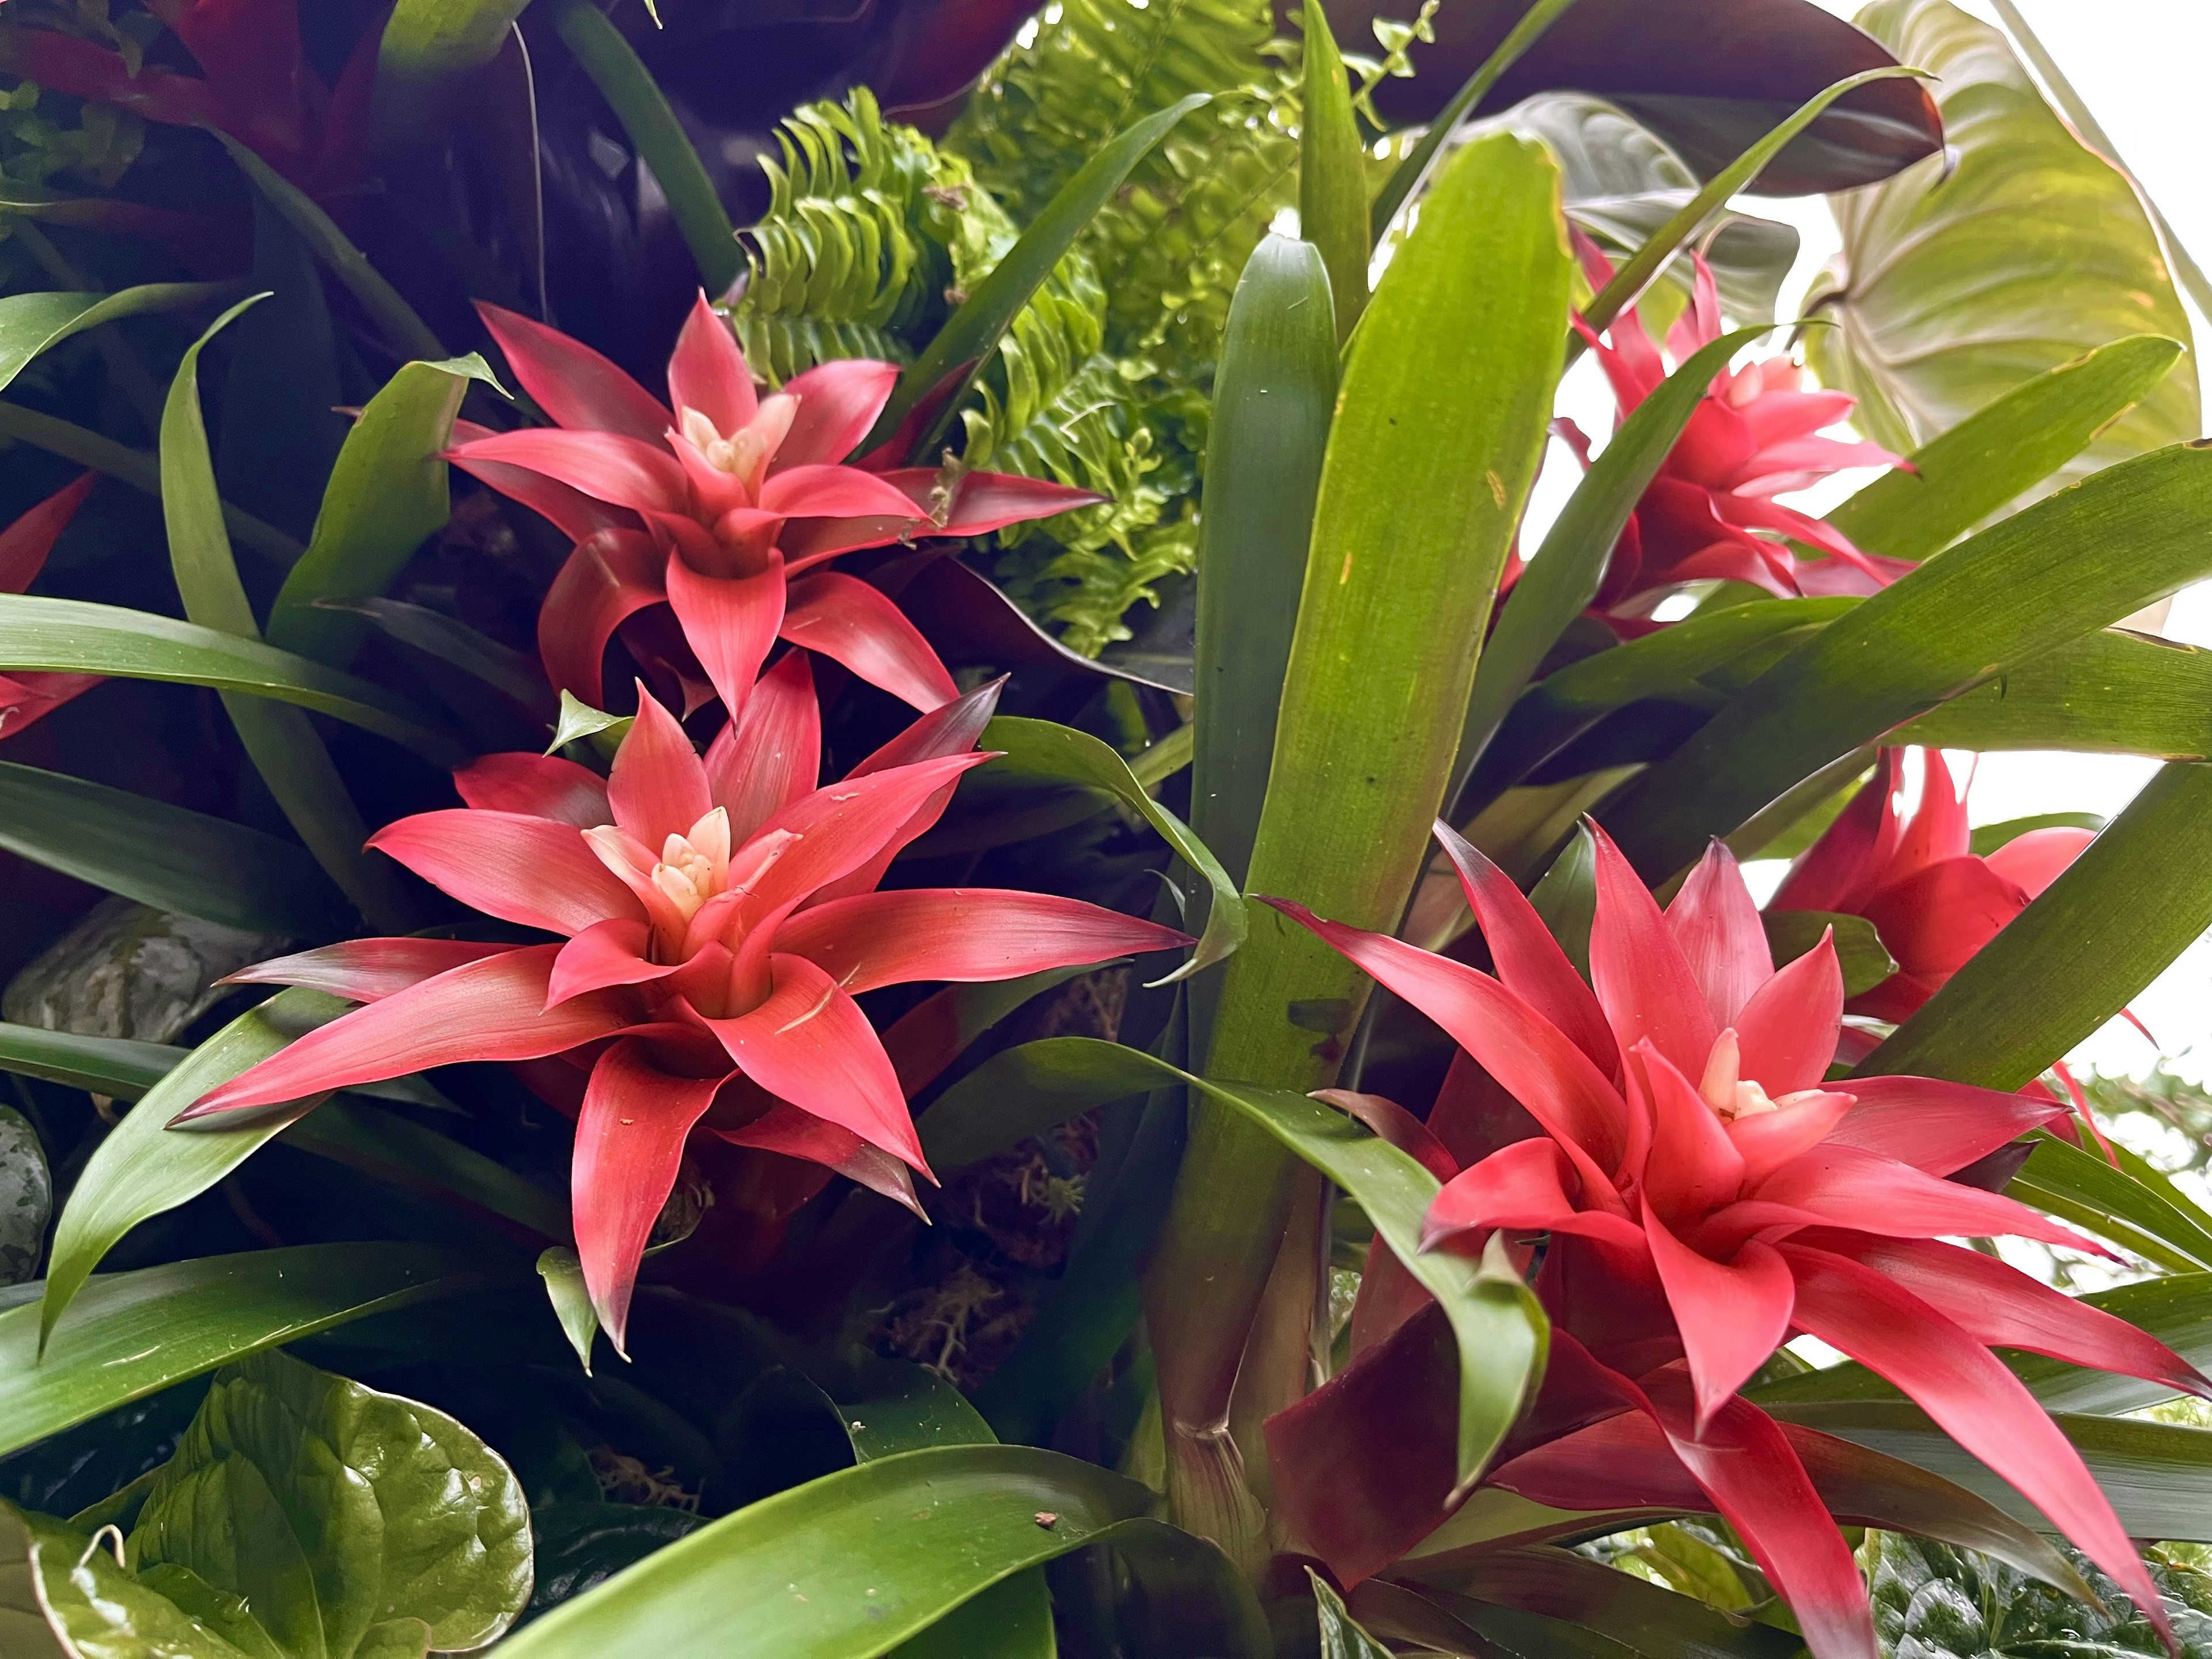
(1439, 424)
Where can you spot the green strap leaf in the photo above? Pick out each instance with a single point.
(853, 1564)
(1635, 276)
(141, 1168)
(2070, 564)
(407, 334)
(1565, 1606)
(1341, 1636)
(2134, 1204)
(1040, 749)
(387, 495)
(118, 1066)
(395, 1149)
(1413, 172)
(166, 856)
(2137, 896)
(972, 333)
(74, 636)
(428, 50)
(2110, 692)
(33, 323)
(1275, 391)
(1997, 453)
(643, 111)
(562, 1270)
(282, 743)
(1025, 1090)
(1865, 960)
(513, 674)
(1568, 569)
(1333, 172)
(208, 1312)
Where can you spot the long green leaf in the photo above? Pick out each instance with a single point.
(282, 743)
(387, 495)
(1567, 570)
(1440, 421)
(972, 333)
(391, 1148)
(1410, 174)
(2138, 896)
(32, 323)
(850, 1565)
(166, 856)
(1273, 393)
(2070, 564)
(132, 1334)
(429, 51)
(74, 636)
(1998, 452)
(143, 1167)
(120, 1067)
(1333, 172)
(407, 334)
(2110, 692)
(2154, 1473)
(1502, 1336)
(1564, 1606)
(643, 111)
(1636, 274)
(1040, 749)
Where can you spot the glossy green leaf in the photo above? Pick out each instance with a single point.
(1866, 961)
(659, 139)
(2135, 1207)
(579, 723)
(1333, 172)
(62, 1596)
(1410, 174)
(386, 496)
(1040, 749)
(1963, 474)
(564, 1273)
(74, 636)
(1274, 394)
(335, 1511)
(1640, 270)
(2135, 898)
(2154, 1473)
(143, 1167)
(2069, 565)
(1010, 1620)
(971, 334)
(925, 1531)
(1566, 898)
(1026, 1091)
(109, 1065)
(166, 856)
(428, 50)
(581, 1544)
(2014, 250)
(2111, 692)
(403, 332)
(1341, 1637)
(1550, 1600)
(1565, 574)
(209, 1312)
(32, 323)
(282, 743)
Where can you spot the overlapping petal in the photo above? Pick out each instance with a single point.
(537, 871)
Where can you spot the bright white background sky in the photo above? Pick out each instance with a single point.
(2139, 65)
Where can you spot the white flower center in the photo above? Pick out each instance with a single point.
(744, 454)
(695, 867)
(1725, 1089)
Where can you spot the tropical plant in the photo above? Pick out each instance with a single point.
(538, 895)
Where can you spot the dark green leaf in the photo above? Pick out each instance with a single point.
(1026, 1091)
(2136, 897)
(652, 129)
(926, 1531)
(1865, 960)
(1936, 1602)
(1551, 1602)
(1039, 749)
(208, 1312)
(280, 427)
(107, 1065)
(1341, 1637)
(429, 51)
(578, 1545)
(1566, 898)
(2014, 250)
(143, 1167)
(1010, 1620)
(2110, 692)
(334, 1510)
(396, 1148)
(1274, 394)
(2138, 1208)
(564, 1273)
(513, 674)
(387, 495)
(1997, 453)
(2067, 565)
(972, 333)
(166, 856)
(405, 332)
(1333, 172)
(32, 323)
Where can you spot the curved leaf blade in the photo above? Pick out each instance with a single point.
(33, 323)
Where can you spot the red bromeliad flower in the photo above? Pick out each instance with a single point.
(717, 507)
(25, 545)
(1915, 877)
(719, 918)
(1707, 1194)
(1753, 438)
